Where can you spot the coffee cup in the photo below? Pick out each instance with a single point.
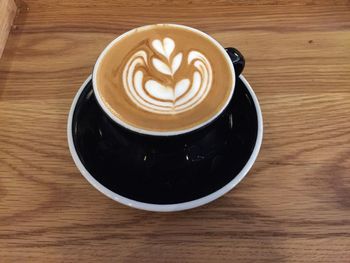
(165, 79)
(166, 122)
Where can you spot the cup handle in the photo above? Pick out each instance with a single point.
(237, 59)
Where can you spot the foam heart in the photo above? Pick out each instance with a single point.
(164, 48)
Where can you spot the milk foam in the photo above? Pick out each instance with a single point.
(183, 93)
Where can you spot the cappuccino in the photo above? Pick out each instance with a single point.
(164, 79)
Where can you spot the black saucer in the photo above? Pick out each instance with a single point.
(165, 170)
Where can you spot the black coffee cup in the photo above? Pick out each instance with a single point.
(186, 169)
(231, 55)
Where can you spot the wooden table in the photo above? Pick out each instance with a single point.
(294, 205)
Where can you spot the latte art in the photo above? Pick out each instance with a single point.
(180, 92)
(163, 79)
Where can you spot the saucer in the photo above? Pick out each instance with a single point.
(165, 173)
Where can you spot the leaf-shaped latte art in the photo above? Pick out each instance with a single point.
(169, 46)
(159, 91)
(176, 63)
(149, 93)
(158, 46)
(181, 87)
(161, 66)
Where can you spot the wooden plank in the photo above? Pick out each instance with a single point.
(271, 66)
(51, 4)
(81, 18)
(7, 14)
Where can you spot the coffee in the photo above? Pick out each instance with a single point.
(164, 78)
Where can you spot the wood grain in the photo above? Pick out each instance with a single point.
(294, 205)
(7, 14)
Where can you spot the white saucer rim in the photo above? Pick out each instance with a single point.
(166, 207)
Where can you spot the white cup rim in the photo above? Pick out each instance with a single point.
(167, 207)
(152, 132)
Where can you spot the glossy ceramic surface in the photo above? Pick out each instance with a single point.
(164, 170)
